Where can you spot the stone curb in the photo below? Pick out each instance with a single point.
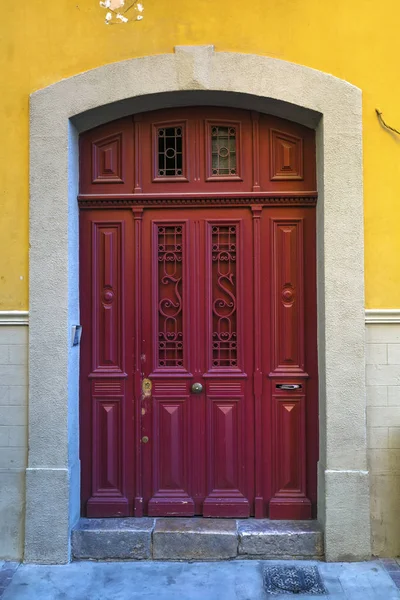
(196, 539)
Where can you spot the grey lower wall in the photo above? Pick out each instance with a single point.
(383, 422)
(383, 412)
(13, 438)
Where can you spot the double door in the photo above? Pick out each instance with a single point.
(204, 319)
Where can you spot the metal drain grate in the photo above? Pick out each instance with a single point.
(293, 580)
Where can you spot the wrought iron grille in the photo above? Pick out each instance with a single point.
(223, 151)
(170, 156)
(224, 286)
(170, 304)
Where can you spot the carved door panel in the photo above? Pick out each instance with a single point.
(106, 386)
(197, 350)
(287, 323)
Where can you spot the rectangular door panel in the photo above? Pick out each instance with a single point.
(171, 457)
(107, 452)
(108, 297)
(107, 477)
(225, 459)
(287, 296)
(288, 465)
(289, 425)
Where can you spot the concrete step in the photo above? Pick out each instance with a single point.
(196, 539)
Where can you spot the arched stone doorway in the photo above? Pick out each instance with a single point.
(194, 76)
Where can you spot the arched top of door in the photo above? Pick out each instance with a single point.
(212, 152)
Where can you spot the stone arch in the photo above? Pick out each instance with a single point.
(194, 75)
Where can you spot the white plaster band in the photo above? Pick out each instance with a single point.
(372, 315)
(347, 471)
(196, 75)
(14, 317)
(382, 315)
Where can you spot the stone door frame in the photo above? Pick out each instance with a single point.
(195, 75)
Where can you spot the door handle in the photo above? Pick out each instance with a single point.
(288, 386)
(197, 388)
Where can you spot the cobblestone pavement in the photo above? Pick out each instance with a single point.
(225, 580)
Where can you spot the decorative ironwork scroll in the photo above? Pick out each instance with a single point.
(224, 304)
(170, 304)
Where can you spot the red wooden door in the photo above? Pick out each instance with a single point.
(198, 335)
(198, 305)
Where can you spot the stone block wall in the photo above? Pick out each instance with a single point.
(383, 427)
(13, 437)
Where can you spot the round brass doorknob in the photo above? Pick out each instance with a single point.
(197, 388)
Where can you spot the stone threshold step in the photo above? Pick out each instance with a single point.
(190, 539)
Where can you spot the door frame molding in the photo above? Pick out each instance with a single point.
(195, 75)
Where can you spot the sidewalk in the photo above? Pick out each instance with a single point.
(234, 580)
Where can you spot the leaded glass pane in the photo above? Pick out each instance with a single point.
(170, 156)
(223, 151)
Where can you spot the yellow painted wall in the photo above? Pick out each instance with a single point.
(43, 41)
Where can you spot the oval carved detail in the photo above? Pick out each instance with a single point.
(288, 295)
(108, 296)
